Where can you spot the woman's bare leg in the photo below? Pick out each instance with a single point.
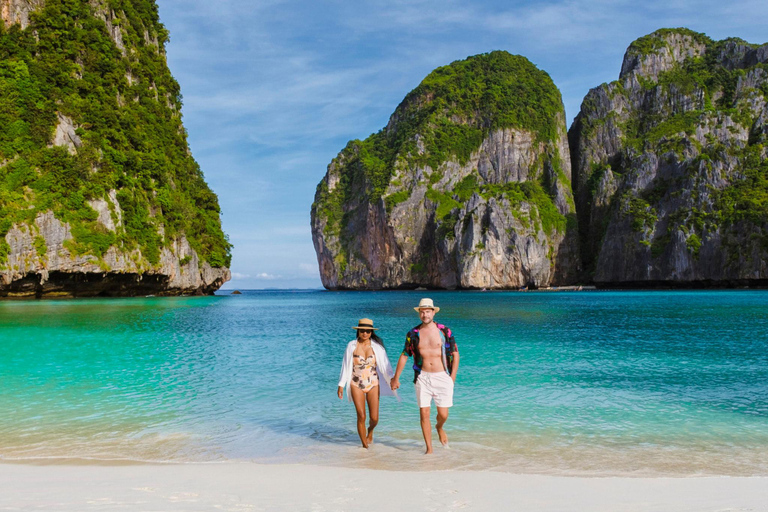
(373, 410)
(358, 398)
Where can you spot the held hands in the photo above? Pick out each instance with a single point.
(340, 392)
(394, 383)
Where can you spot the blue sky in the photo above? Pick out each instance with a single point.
(274, 89)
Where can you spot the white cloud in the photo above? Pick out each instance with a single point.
(267, 277)
(237, 275)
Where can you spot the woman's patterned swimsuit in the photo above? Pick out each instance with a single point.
(364, 373)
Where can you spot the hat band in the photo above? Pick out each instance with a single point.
(365, 325)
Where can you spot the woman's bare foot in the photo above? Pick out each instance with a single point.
(429, 451)
(370, 437)
(443, 437)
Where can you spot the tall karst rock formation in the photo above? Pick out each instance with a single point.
(99, 194)
(670, 170)
(468, 186)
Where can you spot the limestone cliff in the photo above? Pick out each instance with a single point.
(669, 164)
(98, 192)
(468, 186)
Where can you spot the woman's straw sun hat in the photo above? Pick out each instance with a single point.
(366, 323)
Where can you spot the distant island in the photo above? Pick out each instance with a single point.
(661, 181)
(99, 194)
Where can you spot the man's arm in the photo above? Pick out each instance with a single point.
(455, 366)
(395, 382)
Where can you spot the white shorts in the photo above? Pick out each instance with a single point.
(438, 385)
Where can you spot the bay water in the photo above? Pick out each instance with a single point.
(585, 383)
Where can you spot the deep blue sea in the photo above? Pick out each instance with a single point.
(587, 383)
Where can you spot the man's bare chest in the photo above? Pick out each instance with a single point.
(430, 343)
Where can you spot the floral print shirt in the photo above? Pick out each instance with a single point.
(411, 348)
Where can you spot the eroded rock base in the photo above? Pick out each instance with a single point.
(93, 284)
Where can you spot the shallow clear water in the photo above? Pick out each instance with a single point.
(662, 382)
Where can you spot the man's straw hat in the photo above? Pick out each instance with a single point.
(426, 304)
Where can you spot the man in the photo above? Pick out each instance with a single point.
(435, 364)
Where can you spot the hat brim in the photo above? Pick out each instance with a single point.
(435, 308)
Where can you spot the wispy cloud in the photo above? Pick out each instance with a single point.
(308, 269)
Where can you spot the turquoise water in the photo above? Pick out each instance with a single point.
(662, 382)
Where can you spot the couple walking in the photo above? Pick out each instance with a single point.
(367, 374)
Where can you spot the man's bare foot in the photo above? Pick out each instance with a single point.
(443, 437)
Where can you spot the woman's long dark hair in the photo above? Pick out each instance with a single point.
(374, 337)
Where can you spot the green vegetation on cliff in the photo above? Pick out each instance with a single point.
(126, 108)
(747, 198)
(711, 79)
(657, 40)
(698, 121)
(446, 117)
(456, 106)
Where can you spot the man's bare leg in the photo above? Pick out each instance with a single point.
(442, 417)
(426, 428)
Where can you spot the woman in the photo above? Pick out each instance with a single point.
(365, 372)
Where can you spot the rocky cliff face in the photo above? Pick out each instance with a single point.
(468, 186)
(17, 11)
(98, 192)
(670, 172)
(40, 264)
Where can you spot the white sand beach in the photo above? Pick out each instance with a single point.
(256, 487)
